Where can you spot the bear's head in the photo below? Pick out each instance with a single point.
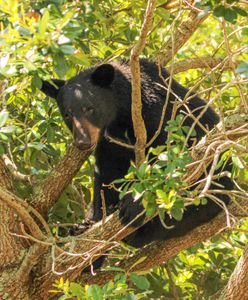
(86, 102)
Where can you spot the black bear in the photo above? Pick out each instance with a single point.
(97, 103)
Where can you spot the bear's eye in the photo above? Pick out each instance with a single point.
(88, 110)
(67, 116)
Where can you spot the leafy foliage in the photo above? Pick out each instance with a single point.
(42, 39)
(158, 181)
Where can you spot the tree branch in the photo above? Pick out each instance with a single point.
(150, 256)
(79, 252)
(238, 282)
(138, 122)
(9, 247)
(14, 171)
(48, 192)
(21, 209)
(87, 247)
(200, 63)
(181, 36)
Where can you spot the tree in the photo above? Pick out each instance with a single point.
(45, 184)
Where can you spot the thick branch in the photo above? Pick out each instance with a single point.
(48, 192)
(21, 209)
(84, 249)
(9, 246)
(99, 239)
(181, 36)
(11, 250)
(138, 122)
(238, 282)
(167, 249)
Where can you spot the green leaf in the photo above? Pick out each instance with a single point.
(204, 201)
(3, 137)
(8, 129)
(36, 82)
(161, 194)
(68, 49)
(177, 213)
(240, 11)
(60, 64)
(156, 151)
(77, 290)
(120, 278)
(37, 146)
(151, 209)
(237, 162)
(2, 150)
(140, 281)
(219, 11)
(3, 117)
(44, 22)
(230, 15)
(139, 261)
(95, 292)
(243, 69)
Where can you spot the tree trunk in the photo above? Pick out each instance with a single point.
(11, 250)
(236, 288)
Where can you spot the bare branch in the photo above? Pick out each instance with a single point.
(233, 66)
(14, 171)
(138, 122)
(83, 250)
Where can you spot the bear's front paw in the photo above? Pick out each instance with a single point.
(130, 209)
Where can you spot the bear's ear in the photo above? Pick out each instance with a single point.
(103, 75)
(50, 89)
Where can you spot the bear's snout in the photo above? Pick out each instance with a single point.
(85, 134)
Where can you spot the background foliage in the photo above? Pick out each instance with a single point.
(45, 39)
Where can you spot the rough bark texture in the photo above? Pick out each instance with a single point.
(89, 245)
(236, 288)
(159, 252)
(11, 250)
(29, 273)
(47, 193)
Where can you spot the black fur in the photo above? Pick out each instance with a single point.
(106, 90)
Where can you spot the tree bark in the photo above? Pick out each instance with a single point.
(180, 37)
(138, 122)
(50, 189)
(11, 250)
(113, 231)
(29, 273)
(160, 252)
(236, 288)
